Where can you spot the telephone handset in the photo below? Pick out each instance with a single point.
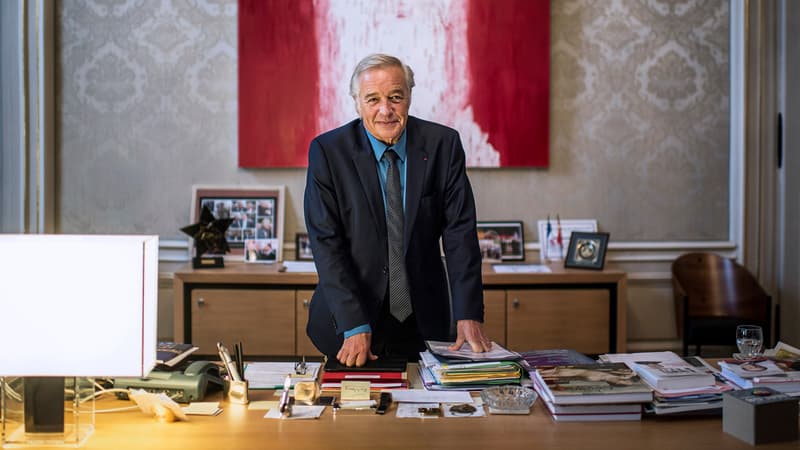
(200, 367)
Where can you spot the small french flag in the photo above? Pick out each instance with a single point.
(559, 238)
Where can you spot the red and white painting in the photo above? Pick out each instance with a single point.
(481, 67)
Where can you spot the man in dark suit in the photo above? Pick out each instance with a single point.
(346, 209)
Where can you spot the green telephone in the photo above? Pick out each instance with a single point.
(189, 385)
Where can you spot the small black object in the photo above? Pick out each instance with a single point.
(384, 403)
(430, 411)
(44, 404)
(464, 409)
(209, 237)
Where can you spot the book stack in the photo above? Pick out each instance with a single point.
(592, 392)
(463, 369)
(749, 374)
(679, 386)
(381, 373)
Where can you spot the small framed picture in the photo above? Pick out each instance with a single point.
(586, 250)
(261, 250)
(501, 241)
(302, 247)
(256, 232)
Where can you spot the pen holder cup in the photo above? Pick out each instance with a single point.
(236, 391)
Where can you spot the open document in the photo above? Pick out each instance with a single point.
(497, 353)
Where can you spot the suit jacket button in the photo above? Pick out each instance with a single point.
(385, 270)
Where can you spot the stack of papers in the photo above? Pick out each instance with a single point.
(271, 375)
(466, 375)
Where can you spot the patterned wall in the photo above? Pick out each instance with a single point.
(147, 106)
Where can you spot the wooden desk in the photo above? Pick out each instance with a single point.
(268, 310)
(240, 428)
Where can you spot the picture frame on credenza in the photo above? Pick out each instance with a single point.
(256, 233)
(586, 250)
(501, 241)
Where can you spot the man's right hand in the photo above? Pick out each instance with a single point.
(356, 351)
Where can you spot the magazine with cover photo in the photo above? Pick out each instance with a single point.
(591, 383)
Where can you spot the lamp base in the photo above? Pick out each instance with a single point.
(46, 411)
(208, 262)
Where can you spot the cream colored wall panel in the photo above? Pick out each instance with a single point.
(639, 120)
(651, 314)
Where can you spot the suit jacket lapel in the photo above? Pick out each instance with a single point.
(364, 161)
(416, 167)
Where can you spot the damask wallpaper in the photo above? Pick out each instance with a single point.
(639, 119)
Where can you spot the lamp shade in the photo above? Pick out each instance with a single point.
(78, 305)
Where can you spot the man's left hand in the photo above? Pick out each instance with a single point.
(471, 331)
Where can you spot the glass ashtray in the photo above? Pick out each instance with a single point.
(509, 399)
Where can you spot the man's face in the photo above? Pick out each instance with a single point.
(382, 102)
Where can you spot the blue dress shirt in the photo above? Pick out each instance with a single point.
(379, 148)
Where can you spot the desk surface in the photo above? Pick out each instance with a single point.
(237, 427)
(240, 428)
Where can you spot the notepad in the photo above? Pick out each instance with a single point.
(202, 408)
(355, 390)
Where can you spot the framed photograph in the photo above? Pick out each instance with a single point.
(586, 250)
(302, 247)
(501, 241)
(256, 233)
(549, 247)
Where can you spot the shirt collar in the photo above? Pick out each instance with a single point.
(379, 147)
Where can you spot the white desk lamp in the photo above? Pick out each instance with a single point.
(74, 306)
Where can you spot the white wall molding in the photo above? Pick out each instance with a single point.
(177, 250)
(736, 183)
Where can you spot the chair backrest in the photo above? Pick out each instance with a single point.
(719, 287)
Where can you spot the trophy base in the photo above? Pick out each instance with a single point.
(208, 262)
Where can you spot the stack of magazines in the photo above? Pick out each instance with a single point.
(444, 369)
(679, 386)
(591, 392)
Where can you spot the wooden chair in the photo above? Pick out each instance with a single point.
(712, 296)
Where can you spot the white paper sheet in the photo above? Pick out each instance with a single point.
(298, 412)
(521, 268)
(411, 410)
(423, 396)
(300, 266)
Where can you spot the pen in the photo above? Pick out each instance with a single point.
(229, 365)
(236, 358)
(284, 404)
(240, 358)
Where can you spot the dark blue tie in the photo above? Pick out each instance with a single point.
(399, 296)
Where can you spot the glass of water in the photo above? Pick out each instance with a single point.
(749, 339)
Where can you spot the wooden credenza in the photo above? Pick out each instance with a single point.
(267, 309)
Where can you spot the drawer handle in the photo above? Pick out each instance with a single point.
(305, 303)
(201, 301)
(515, 303)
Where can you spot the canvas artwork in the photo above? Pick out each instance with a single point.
(482, 67)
